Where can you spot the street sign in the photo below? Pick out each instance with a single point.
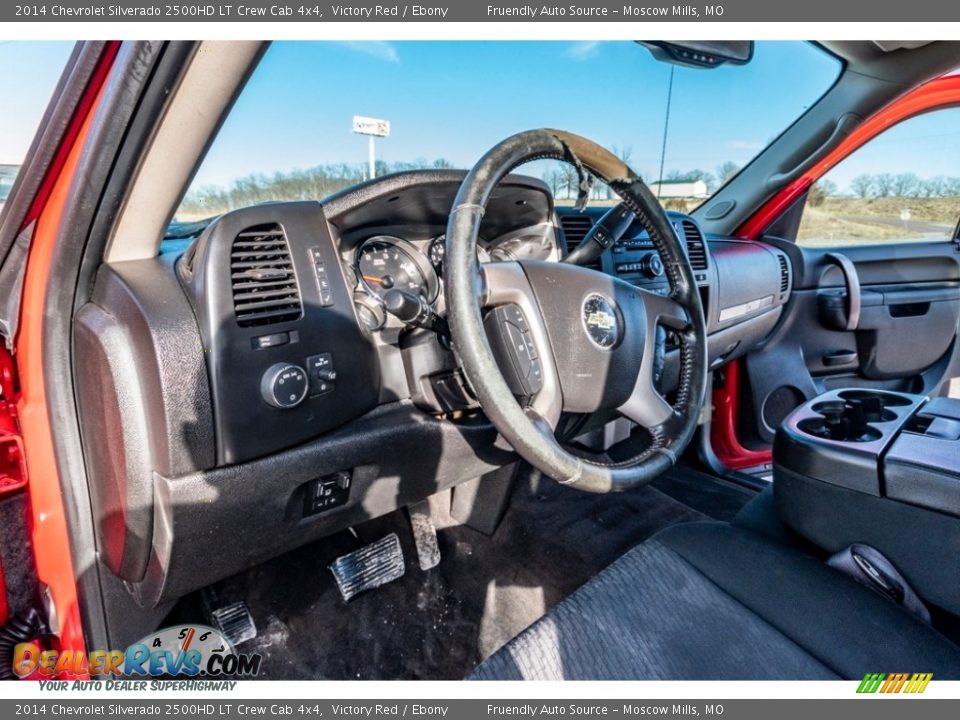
(905, 214)
(371, 126)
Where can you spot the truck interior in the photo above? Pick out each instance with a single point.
(505, 420)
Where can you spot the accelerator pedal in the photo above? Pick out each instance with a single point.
(424, 535)
(235, 622)
(369, 567)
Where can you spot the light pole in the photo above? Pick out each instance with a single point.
(372, 128)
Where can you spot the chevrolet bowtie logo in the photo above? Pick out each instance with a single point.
(602, 320)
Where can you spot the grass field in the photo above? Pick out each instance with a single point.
(872, 220)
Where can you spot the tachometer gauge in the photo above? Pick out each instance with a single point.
(385, 262)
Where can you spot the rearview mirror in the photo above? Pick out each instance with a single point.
(701, 53)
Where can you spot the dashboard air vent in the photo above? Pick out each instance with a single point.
(784, 273)
(575, 229)
(261, 273)
(696, 248)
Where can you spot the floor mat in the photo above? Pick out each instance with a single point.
(441, 623)
(719, 498)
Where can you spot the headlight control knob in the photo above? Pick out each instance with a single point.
(284, 385)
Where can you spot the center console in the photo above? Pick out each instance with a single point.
(880, 468)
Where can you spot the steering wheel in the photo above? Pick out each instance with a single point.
(590, 338)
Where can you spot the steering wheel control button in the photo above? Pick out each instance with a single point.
(327, 492)
(284, 385)
(322, 374)
(514, 349)
(601, 321)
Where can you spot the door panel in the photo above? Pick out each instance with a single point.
(904, 339)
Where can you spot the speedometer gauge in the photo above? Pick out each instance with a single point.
(385, 262)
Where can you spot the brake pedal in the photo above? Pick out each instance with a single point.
(369, 567)
(234, 622)
(424, 535)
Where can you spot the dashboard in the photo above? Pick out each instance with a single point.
(254, 386)
(291, 299)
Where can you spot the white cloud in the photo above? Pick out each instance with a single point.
(583, 50)
(376, 49)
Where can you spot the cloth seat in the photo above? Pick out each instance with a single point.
(709, 601)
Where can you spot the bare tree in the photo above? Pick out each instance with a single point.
(554, 180)
(862, 186)
(905, 185)
(726, 171)
(625, 153)
(883, 185)
(820, 191)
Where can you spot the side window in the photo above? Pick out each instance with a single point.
(902, 186)
(28, 74)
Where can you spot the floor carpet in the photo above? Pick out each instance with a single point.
(441, 623)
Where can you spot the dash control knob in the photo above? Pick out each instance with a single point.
(284, 385)
(651, 265)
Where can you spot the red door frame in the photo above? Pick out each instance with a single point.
(50, 534)
(938, 93)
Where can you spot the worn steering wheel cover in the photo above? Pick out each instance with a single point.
(531, 438)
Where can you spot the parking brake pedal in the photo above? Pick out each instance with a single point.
(425, 535)
(369, 567)
(235, 622)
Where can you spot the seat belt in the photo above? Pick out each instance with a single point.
(869, 567)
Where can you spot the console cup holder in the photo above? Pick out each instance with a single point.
(841, 431)
(849, 417)
(885, 399)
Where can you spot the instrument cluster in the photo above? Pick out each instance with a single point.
(384, 262)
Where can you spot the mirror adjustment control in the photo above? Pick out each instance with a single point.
(321, 374)
(284, 385)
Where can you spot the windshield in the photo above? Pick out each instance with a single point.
(28, 73)
(685, 131)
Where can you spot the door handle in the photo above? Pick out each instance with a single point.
(852, 281)
(839, 358)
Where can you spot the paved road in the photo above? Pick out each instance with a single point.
(921, 227)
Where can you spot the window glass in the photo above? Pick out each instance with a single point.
(902, 186)
(685, 130)
(28, 74)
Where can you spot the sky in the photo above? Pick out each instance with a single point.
(927, 145)
(28, 74)
(456, 99)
